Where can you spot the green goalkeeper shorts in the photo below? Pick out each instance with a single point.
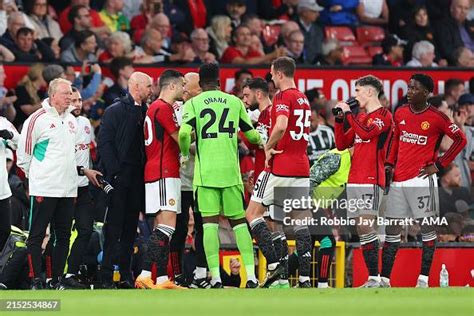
(220, 201)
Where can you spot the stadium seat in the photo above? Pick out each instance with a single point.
(343, 34)
(374, 50)
(367, 35)
(355, 55)
(270, 34)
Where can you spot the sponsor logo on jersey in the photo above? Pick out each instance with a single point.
(379, 123)
(425, 125)
(282, 107)
(454, 128)
(412, 138)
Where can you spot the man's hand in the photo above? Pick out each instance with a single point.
(6, 134)
(92, 176)
(183, 160)
(234, 266)
(269, 153)
(428, 171)
(343, 106)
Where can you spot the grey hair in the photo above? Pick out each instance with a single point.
(122, 37)
(53, 85)
(420, 48)
(195, 31)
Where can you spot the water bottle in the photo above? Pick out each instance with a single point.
(116, 275)
(443, 277)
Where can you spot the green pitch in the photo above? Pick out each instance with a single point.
(291, 302)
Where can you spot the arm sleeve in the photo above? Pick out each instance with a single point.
(245, 125)
(344, 138)
(379, 125)
(324, 168)
(187, 125)
(91, 89)
(13, 143)
(106, 144)
(26, 144)
(392, 149)
(459, 141)
(167, 120)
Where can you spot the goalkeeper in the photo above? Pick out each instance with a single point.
(215, 117)
(328, 175)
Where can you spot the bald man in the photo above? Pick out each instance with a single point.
(122, 160)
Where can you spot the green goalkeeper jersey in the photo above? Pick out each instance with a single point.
(216, 118)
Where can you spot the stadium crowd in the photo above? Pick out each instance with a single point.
(56, 38)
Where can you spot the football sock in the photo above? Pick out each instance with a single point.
(284, 258)
(244, 243)
(263, 236)
(389, 253)
(160, 241)
(211, 248)
(325, 254)
(303, 247)
(370, 250)
(429, 247)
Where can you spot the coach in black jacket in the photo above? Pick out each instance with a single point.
(448, 31)
(122, 160)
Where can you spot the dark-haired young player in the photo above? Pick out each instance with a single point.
(287, 165)
(368, 132)
(162, 181)
(419, 129)
(215, 117)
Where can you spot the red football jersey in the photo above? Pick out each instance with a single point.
(162, 152)
(370, 134)
(416, 141)
(293, 161)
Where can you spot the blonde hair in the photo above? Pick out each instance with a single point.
(33, 74)
(53, 85)
(218, 25)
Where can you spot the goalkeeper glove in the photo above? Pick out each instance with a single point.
(6, 134)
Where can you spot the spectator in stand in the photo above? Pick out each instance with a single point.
(463, 57)
(462, 118)
(113, 17)
(440, 103)
(240, 77)
(331, 54)
(256, 26)
(29, 94)
(200, 46)
(96, 24)
(161, 23)
(6, 55)
(455, 31)
(453, 89)
(220, 34)
(7, 109)
(15, 22)
(418, 28)
(148, 10)
(121, 69)
(243, 53)
(118, 44)
(338, 12)
(308, 13)
(392, 54)
(195, 11)
(29, 49)
(276, 10)
(45, 25)
(236, 10)
(423, 55)
(453, 197)
(84, 49)
(152, 51)
(53, 44)
(80, 18)
(295, 47)
(285, 31)
(373, 12)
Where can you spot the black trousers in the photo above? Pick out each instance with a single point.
(5, 221)
(83, 222)
(120, 223)
(58, 212)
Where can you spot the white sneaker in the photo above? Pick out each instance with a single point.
(421, 283)
(385, 282)
(371, 283)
